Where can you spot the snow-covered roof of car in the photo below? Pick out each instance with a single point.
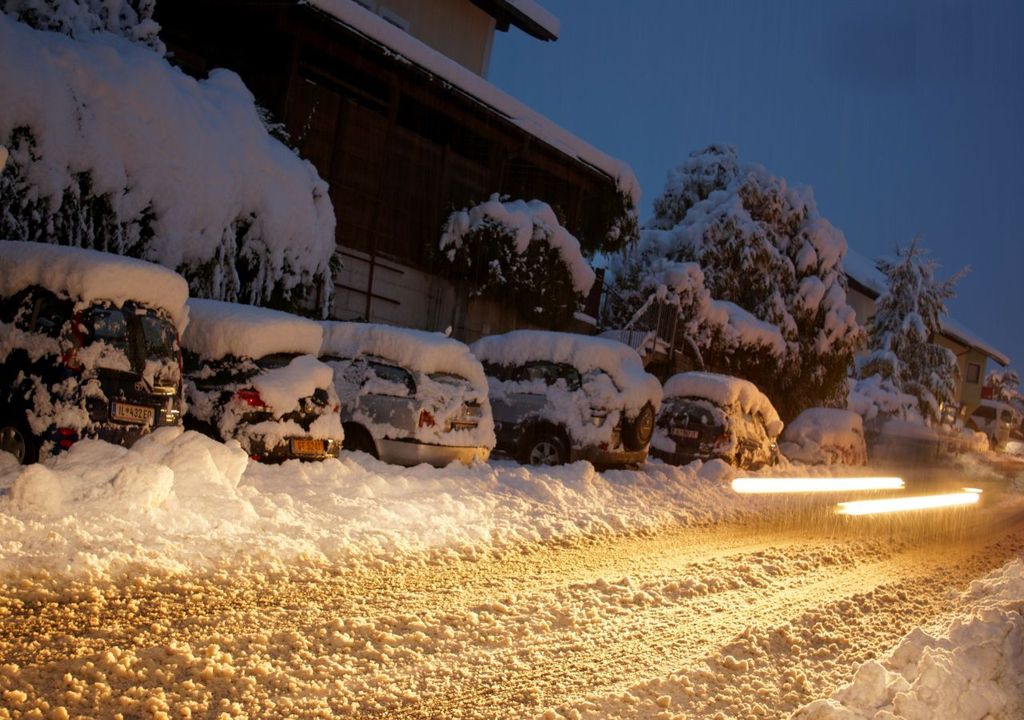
(726, 391)
(418, 350)
(217, 329)
(91, 275)
(823, 425)
(400, 43)
(583, 352)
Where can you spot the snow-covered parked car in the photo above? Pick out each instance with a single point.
(252, 374)
(409, 396)
(825, 436)
(706, 415)
(88, 347)
(996, 419)
(560, 397)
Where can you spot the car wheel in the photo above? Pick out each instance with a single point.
(19, 441)
(545, 450)
(358, 439)
(637, 432)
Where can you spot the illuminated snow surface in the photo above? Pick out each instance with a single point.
(178, 579)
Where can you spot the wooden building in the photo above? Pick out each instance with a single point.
(389, 101)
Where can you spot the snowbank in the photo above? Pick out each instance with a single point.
(585, 353)
(189, 161)
(975, 669)
(426, 352)
(217, 329)
(825, 436)
(181, 501)
(90, 275)
(726, 391)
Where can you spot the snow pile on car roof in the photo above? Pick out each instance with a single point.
(583, 352)
(725, 390)
(418, 350)
(217, 329)
(90, 275)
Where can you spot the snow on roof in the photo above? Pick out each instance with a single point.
(583, 352)
(725, 390)
(867, 274)
(419, 350)
(217, 329)
(531, 11)
(90, 275)
(403, 44)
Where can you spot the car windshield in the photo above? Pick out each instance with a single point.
(277, 360)
(449, 379)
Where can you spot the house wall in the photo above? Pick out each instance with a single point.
(456, 28)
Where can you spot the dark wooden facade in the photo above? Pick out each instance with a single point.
(399, 147)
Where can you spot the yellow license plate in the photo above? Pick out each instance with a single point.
(133, 413)
(307, 446)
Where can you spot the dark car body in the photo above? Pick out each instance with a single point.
(701, 430)
(102, 370)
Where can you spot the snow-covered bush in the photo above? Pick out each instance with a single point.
(762, 246)
(517, 251)
(112, 148)
(907, 318)
(132, 19)
(1003, 384)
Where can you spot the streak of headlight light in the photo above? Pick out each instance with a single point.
(765, 485)
(904, 504)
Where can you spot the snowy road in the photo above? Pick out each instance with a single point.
(751, 619)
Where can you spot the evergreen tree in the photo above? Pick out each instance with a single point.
(762, 246)
(908, 316)
(1003, 385)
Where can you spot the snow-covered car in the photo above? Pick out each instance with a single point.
(251, 374)
(409, 396)
(560, 397)
(88, 347)
(706, 415)
(825, 436)
(996, 419)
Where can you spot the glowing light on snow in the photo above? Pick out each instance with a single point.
(904, 504)
(767, 485)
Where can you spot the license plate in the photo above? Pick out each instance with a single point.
(133, 413)
(685, 434)
(307, 446)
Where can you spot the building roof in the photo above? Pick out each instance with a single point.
(869, 280)
(401, 44)
(527, 15)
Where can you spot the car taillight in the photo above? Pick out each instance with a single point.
(66, 437)
(426, 419)
(721, 441)
(250, 397)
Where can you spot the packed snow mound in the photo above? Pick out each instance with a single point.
(282, 388)
(583, 352)
(217, 329)
(418, 350)
(527, 221)
(726, 391)
(90, 275)
(183, 502)
(974, 670)
(192, 157)
(825, 436)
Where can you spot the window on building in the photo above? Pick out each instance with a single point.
(973, 373)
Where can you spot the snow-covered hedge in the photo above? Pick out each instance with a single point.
(517, 250)
(132, 19)
(110, 147)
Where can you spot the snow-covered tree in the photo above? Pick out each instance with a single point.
(517, 251)
(132, 19)
(1003, 384)
(907, 318)
(762, 246)
(128, 154)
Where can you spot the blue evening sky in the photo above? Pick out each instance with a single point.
(906, 118)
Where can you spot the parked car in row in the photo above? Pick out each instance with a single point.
(561, 397)
(88, 348)
(996, 419)
(825, 436)
(409, 396)
(252, 374)
(706, 416)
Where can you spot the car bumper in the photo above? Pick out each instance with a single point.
(282, 452)
(409, 452)
(608, 458)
